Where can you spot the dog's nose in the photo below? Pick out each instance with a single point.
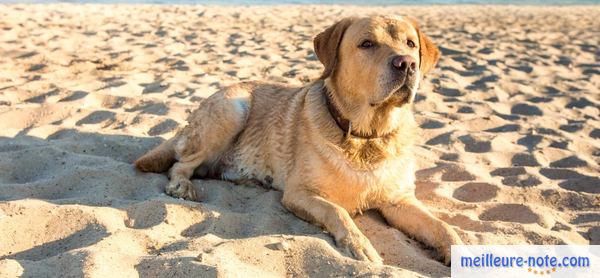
(404, 64)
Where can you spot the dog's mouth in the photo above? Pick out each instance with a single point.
(398, 96)
(403, 94)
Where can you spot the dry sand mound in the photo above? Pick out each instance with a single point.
(509, 151)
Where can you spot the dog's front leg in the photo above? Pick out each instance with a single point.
(336, 220)
(411, 217)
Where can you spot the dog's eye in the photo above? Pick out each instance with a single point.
(411, 44)
(367, 44)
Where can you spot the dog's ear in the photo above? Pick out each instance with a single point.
(326, 44)
(429, 54)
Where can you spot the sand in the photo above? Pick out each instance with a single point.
(509, 149)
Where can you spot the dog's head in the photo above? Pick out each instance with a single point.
(376, 60)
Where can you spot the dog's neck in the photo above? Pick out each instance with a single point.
(363, 120)
(343, 123)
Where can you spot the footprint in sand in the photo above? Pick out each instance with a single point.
(505, 128)
(163, 127)
(97, 117)
(586, 218)
(560, 144)
(539, 99)
(76, 95)
(475, 145)
(530, 141)
(145, 214)
(154, 108)
(526, 109)
(572, 127)
(154, 87)
(510, 171)
(449, 92)
(442, 139)
(521, 181)
(563, 200)
(465, 110)
(585, 184)
(579, 103)
(476, 192)
(482, 83)
(112, 82)
(572, 180)
(569, 162)
(36, 67)
(524, 159)
(560, 174)
(454, 172)
(516, 176)
(42, 98)
(510, 213)
(594, 235)
(449, 157)
(27, 54)
(432, 124)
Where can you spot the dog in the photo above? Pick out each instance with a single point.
(337, 146)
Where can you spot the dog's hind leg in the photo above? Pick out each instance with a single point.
(159, 159)
(211, 131)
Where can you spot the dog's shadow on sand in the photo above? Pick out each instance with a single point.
(91, 173)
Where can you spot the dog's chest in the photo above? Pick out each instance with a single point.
(360, 189)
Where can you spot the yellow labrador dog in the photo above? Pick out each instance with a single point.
(335, 147)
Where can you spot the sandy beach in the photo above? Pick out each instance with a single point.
(509, 147)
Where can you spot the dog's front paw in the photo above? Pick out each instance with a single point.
(182, 189)
(359, 247)
(450, 238)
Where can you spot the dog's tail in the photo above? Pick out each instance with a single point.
(159, 159)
